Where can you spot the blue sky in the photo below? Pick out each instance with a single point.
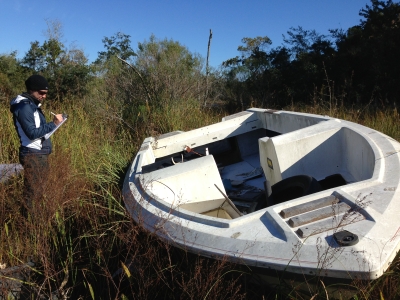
(87, 22)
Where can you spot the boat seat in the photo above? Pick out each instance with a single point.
(190, 185)
(319, 151)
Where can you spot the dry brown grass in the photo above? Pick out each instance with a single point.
(85, 246)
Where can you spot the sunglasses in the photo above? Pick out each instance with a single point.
(41, 93)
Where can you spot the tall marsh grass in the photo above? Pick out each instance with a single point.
(78, 234)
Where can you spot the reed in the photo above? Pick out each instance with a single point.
(79, 235)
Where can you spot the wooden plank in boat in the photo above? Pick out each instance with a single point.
(338, 222)
(319, 214)
(308, 206)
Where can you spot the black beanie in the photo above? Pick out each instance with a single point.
(36, 83)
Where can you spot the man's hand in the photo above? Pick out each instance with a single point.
(58, 119)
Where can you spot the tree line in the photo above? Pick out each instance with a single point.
(357, 66)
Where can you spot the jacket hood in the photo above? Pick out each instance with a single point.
(25, 97)
(18, 99)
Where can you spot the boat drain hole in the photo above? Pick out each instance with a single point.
(345, 238)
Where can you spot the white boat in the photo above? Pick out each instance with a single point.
(284, 191)
(7, 171)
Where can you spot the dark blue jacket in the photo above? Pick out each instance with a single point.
(30, 124)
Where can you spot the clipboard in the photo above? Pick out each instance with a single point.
(48, 135)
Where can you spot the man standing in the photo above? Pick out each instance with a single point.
(30, 124)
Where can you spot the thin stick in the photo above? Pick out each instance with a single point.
(207, 68)
(229, 201)
(142, 80)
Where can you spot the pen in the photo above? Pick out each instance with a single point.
(64, 116)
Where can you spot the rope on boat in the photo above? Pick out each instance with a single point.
(190, 150)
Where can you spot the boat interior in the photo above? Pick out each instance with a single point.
(237, 175)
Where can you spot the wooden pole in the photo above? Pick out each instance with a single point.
(207, 67)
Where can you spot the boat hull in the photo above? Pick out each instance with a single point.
(181, 198)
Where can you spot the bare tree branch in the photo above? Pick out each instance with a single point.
(142, 80)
